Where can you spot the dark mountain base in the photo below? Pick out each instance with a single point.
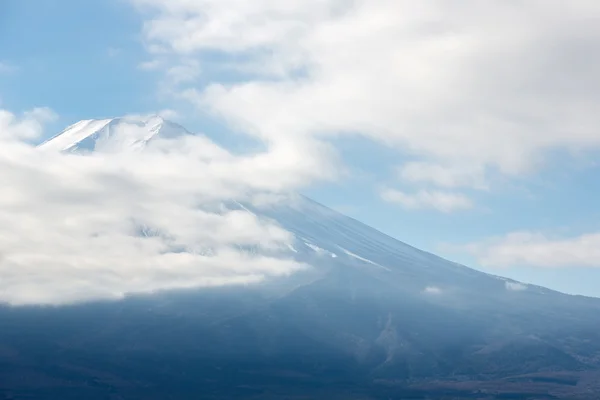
(307, 344)
(121, 376)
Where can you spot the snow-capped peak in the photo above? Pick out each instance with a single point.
(129, 132)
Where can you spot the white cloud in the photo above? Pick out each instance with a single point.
(183, 73)
(515, 286)
(538, 250)
(448, 176)
(469, 86)
(29, 126)
(76, 228)
(150, 65)
(169, 114)
(423, 199)
(432, 290)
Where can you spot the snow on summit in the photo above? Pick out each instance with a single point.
(114, 134)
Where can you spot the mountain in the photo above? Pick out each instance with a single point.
(109, 134)
(374, 319)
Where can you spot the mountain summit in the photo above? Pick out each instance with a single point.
(116, 134)
(373, 319)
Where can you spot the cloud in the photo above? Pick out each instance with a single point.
(467, 86)
(6, 68)
(28, 127)
(150, 65)
(432, 290)
(76, 228)
(442, 201)
(113, 52)
(537, 250)
(447, 176)
(184, 73)
(515, 286)
(169, 114)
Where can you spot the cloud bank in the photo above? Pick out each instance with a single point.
(466, 89)
(101, 226)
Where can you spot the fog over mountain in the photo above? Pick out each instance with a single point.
(141, 261)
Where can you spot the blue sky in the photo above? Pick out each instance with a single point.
(85, 59)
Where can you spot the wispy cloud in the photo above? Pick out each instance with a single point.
(6, 68)
(183, 73)
(113, 51)
(447, 176)
(150, 65)
(439, 200)
(537, 250)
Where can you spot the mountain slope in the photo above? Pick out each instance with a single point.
(375, 318)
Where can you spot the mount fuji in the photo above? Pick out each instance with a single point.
(374, 318)
(107, 134)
